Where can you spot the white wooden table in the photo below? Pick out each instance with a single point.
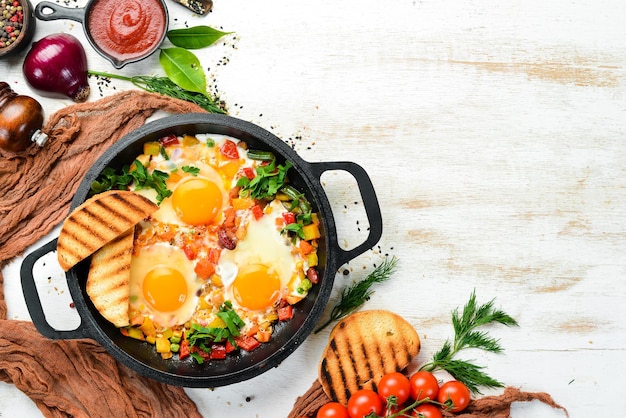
(494, 133)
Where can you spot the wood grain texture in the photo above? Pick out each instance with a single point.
(494, 135)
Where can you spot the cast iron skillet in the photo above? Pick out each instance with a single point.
(288, 335)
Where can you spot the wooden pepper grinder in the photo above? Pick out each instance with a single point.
(21, 119)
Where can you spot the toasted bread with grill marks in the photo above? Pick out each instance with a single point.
(362, 348)
(97, 221)
(109, 277)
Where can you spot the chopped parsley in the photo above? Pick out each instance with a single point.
(202, 337)
(268, 181)
(139, 177)
(191, 170)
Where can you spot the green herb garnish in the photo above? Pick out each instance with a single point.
(202, 337)
(296, 228)
(352, 297)
(139, 177)
(163, 152)
(191, 170)
(466, 336)
(267, 182)
(166, 87)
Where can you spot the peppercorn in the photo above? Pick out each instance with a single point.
(11, 21)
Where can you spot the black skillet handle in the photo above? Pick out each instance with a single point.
(58, 12)
(370, 203)
(33, 302)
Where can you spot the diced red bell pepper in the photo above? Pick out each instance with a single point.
(206, 356)
(229, 150)
(190, 252)
(184, 352)
(285, 312)
(289, 217)
(247, 343)
(249, 172)
(229, 347)
(168, 140)
(257, 211)
(218, 351)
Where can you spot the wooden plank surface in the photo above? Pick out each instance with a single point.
(494, 135)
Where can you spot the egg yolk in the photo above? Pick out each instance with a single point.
(165, 288)
(256, 287)
(197, 201)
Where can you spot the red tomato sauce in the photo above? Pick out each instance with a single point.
(126, 29)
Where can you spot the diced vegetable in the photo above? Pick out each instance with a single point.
(151, 148)
(285, 312)
(311, 231)
(261, 155)
(162, 345)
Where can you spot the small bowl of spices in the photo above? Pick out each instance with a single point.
(17, 25)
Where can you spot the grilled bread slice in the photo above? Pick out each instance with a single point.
(362, 348)
(109, 277)
(97, 221)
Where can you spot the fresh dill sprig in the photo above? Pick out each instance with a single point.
(352, 297)
(165, 86)
(466, 336)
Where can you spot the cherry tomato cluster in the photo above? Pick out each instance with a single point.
(419, 395)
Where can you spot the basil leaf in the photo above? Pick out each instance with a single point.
(196, 37)
(184, 69)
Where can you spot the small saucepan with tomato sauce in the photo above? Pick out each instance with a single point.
(122, 31)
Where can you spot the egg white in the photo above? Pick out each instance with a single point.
(147, 259)
(262, 244)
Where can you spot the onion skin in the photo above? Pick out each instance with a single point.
(56, 66)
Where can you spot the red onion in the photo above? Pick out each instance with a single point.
(56, 66)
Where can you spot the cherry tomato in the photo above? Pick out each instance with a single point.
(455, 395)
(363, 402)
(427, 410)
(332, 410)
(424, 385)
(394, 384)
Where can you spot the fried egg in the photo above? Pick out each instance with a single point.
(195, 200)
(262, 267)
(163, 284)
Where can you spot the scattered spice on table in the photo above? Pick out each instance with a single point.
(11, 21)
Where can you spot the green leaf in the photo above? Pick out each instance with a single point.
(196, 37)
(184, 69)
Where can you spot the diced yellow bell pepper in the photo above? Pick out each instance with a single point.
(312, 259)
(148, 327)
(135, 333)
(311, 231)
(217, 323)
(151, 339)
(189, 140)
(162, 345)
(151, 148)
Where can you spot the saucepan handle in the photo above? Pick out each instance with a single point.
(58, 12)
(33, 301)
(370, 203)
